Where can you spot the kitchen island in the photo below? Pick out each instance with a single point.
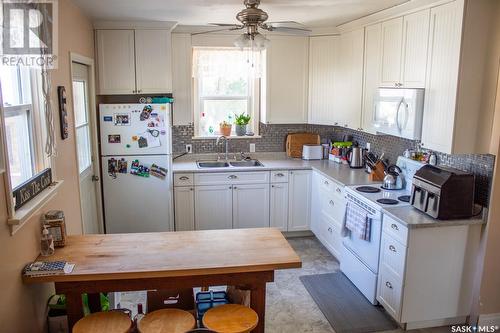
(168, 260)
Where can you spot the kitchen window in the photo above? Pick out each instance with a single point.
(226, 84)
(23, 123)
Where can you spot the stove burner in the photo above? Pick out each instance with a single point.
(388, 201)
(368, 189)
(404, 198)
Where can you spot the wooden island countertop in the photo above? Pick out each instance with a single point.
(166, 260)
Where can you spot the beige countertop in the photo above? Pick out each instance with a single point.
(340, 173)
(413, 218)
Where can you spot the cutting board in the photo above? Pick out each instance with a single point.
(295, 141)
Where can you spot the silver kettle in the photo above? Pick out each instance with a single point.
(393, 179)
(355, 157)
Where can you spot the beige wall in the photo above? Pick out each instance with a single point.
(490, 287)
(22, 308)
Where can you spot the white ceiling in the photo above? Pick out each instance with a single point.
(312, 13)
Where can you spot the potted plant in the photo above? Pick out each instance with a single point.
(225, 128)
(241, 122)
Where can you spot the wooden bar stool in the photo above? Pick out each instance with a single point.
(104, 322)
(167, 321)
(231, 318)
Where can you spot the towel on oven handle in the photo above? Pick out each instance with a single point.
(357, 222)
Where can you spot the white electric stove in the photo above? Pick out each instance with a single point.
(360, 258)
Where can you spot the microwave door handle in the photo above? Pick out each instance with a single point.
(397, 114)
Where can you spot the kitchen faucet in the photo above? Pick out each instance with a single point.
(227, 144)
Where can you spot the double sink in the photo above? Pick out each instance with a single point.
(228, 164)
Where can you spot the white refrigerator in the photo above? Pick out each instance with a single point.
(136, 145)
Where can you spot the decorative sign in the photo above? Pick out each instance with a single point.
(63, 112)
(29, 189)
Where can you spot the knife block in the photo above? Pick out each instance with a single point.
(378, 172)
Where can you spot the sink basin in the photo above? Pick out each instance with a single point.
(248, 163)
(212, 164)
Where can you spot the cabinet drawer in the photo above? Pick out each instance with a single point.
(393, 255)
(390, 292)
(330, 234)
(334, 208)
(221, 178)
(395, 229)
(329, 186)
(279, 176)
(183, 179)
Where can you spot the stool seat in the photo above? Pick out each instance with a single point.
(104, 322)
(167, 321)
(231, 318)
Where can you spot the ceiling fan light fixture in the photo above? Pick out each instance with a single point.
(260, 42)
(243, 41)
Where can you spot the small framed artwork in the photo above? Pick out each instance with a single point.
(63, 112)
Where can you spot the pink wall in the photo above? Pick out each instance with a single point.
(22, 308)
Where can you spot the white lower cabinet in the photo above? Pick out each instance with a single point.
(327, 212)
(426, 274)
(299, 200)
(279, 206)
(184, 208)
(251, 206)
(213, 207)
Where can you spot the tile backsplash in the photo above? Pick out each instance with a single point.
(273, 138)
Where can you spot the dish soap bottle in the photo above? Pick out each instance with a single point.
(47, 243)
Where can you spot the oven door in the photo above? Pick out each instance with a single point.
(367, 251)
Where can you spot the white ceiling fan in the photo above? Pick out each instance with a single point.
(252, 19)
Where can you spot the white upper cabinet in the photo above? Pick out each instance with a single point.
(181, 78)
(134, 61)
(349, 81)
(322, 74)
(116, 61)
(153, 61)
(284, 80)
(404, 50)
(372, 74)
(442, 78)
(415, 39)
(392, 33)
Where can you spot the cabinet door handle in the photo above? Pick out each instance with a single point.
(139, 91)
(326, 183)
(191, 189)
(388, 284)
(230, 187)
(338, 190)
(330, 229)
(392, 248)
(395, 227)
(335, 123)
(183, 178)
(232, 177)
(235, 188)
(280, 175)
(332, 203)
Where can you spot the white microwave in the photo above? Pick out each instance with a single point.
(399, 112)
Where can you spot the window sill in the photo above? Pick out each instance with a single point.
(232, 137)
(23, 214)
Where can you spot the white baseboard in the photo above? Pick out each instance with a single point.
(436, 323)
(490, 319)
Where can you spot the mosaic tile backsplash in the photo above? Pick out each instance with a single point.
(273, 138)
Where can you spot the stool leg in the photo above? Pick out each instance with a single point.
(74, 308)
(94, 302)
(258, 304)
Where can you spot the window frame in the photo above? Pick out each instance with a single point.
(40, 162)
(253, 102)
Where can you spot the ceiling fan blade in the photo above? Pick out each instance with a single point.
(216, 30)
(289, 30)
(225, 24)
